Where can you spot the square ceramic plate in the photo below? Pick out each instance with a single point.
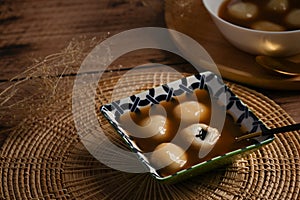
(241, 114)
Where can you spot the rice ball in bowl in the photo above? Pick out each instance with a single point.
(168, 158)
(192, 112)
(200, 137)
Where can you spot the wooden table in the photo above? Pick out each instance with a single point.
(32, 29)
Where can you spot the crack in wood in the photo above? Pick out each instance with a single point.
(14, 49)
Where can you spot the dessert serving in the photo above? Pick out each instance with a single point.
(270, 15)
(173, 131)
(269, 27)
(176, 133)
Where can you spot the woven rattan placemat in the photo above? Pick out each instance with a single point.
(44, 159)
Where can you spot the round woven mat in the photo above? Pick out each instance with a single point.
(44, 159)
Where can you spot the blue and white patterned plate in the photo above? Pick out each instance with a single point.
(217, 90)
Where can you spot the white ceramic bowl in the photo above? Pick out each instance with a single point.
(284, 43)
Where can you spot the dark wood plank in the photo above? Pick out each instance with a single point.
(35, 28)
(289, 101)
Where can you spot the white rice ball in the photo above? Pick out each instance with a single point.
(278, 5)
(153, 126)
(267, 26)
(192, 112)
(199, 136)
(243, 10)
(168, 157)
(293, 18)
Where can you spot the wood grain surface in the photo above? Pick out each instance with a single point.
(32, 29)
